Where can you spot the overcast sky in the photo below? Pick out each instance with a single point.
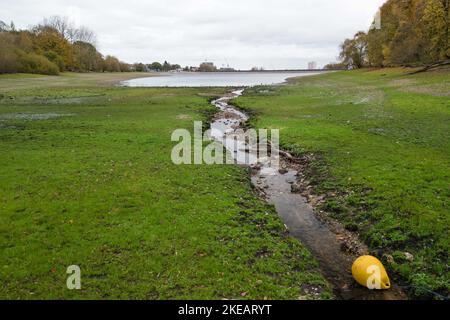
(243, 33)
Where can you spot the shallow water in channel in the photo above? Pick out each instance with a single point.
(294, 210)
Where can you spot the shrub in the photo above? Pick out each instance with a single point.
(9, 62)
(33, 63)
(56, 59)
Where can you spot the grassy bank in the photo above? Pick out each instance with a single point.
(381, 145)
(86, 179)
(9, 82)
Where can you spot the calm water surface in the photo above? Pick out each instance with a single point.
(215, 79)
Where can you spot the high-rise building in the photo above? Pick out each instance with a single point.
(312, 65)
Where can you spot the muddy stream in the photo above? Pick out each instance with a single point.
(332, 246)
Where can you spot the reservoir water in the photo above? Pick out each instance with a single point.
(215, 79)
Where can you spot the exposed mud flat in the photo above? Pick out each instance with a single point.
(334, 247)
(412, 86)
(51, 100)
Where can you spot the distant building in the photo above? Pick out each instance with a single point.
(227, 69)
(312, 65)
(257, 69)
(207, 67)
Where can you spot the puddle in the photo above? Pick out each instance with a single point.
(276, 185)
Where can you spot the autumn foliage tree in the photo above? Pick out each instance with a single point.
(86, 58)
(53, 46)
(111, 64)
(413, 32)
(9, 61)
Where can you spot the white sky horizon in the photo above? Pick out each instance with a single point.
(274, 34)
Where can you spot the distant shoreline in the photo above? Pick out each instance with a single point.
(258, 71)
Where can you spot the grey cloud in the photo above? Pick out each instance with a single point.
(269, 33)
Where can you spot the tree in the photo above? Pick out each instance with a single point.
(140, 67)
(354, 51)
(34, 63)
(60, 24)
(84, 34)
(7, 28)
(207, 67)
(56, 45)
(48, 39)
(375, 54)
(24, 40)
(112, 64)
(68, 30)
(86, 57)
(447, 22)
(166, 66)
(3, 27)
(435, 30)
(413, 32)
(9, 60)
(124, 67)
(155, 66)
(334, 66)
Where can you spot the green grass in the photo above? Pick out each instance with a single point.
(9, 82)
(96, 188)
(381, 141)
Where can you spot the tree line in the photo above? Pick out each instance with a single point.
(52, 46)
(55, 45)
(412, 33)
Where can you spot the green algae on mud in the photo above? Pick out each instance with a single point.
(380, 140)
(98, 189)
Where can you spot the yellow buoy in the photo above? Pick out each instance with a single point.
(369, 272)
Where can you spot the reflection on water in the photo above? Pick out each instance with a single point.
(215, 79)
